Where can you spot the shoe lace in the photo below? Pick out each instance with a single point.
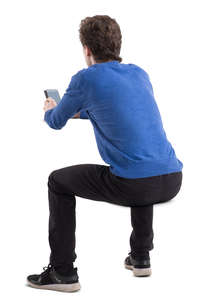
(47, 269)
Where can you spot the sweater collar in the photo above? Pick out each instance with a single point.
(107, 63)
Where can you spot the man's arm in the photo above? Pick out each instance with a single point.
(70, 105)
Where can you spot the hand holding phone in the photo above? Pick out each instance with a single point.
(49, 103)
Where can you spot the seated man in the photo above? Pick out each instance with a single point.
(142, 169)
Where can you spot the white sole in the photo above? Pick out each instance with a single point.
(70, 287)
(139, 272)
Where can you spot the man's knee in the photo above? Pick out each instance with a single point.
(56, 184)
(52, 178)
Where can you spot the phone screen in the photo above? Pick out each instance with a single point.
(53, 93)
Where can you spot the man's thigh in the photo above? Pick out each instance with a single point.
(91, 181)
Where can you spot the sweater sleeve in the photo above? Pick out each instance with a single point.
(83, 114)
(71, 103)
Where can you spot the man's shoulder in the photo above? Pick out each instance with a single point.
(86, 76)
(79, 73)
(137, 68)
(77, 79)
(83, 74)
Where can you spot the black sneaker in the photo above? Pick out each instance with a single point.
(140, 266)
(51, 280)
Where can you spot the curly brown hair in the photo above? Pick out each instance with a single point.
(103, 37)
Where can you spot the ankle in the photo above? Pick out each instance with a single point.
(64, 270)
(140, 255)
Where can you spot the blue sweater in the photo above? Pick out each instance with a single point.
(118, 100)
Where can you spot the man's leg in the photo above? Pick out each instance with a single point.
(141, 239)
(62, 224)
(86, 180)
(93, 182)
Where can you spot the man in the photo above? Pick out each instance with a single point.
(142, 168)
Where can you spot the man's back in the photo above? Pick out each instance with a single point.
(119, 102)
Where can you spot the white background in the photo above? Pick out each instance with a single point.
(40, 49)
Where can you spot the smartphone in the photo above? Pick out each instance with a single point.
(53, 93)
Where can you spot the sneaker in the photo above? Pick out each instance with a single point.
(141, 267)
(52, 280)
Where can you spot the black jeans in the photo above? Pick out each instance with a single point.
(96, 182)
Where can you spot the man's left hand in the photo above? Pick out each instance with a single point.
(49, 103)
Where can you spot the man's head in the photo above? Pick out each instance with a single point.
(101, 39)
